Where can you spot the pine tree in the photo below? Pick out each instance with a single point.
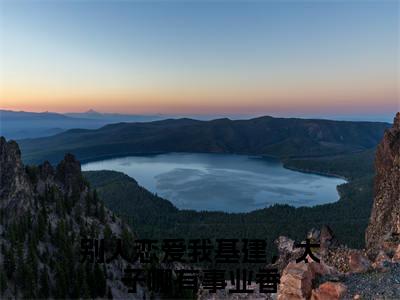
(49, 230)
(9, 262)
(61, 286)
(90, 280)
(96, 210)
(32, 263)
(44, 291)
(60, 209)
(41, 226)
(88, 204)
(100, 281)
(77, 283)
(3, 281)
(20, 270)
(102, 213)
(29, 285)
(60, 234)
(93, 229)
(107, 233)
(2, 213)
(84, 287)
(109, 294)
(78, 214)
(128, 242)
(95, 197)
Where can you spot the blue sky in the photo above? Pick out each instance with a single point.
(316, 57)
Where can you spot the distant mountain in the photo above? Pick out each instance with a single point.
(21, 124)
(113, 118)
(280, 137)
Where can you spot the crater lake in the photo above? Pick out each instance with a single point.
(223, 182)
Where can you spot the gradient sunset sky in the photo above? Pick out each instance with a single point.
(186, 57)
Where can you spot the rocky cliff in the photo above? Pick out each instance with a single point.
(44, 214)
(384, 226)
(15, 188)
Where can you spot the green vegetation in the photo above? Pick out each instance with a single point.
(350, 166)
(154, 217)
(29, 263)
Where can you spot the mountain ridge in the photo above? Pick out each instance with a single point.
(279, 137)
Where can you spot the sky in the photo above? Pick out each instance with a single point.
(209, 57)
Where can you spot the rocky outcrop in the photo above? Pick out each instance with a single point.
(68, 174)
(15, 188)
(384, 223)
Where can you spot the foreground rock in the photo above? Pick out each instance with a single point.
(298, 278)
(296, 282)
(329, 291)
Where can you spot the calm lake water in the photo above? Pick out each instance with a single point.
(220, 182)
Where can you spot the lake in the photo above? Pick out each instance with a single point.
(221, 182)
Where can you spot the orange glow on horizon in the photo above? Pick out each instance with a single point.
(204, 100)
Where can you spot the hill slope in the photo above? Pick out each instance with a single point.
(265, 135)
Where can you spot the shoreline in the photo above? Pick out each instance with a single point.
(327, 174)
(281, 162)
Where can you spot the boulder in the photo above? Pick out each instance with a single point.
(327, 238)
(358, 263)
(314, 235)
(296, 281)
(329, 291)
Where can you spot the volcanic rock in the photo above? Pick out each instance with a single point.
(384, 224)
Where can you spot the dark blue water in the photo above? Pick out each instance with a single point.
(219, 182)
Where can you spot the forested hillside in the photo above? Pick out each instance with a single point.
(278, 137)
(45, 213)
